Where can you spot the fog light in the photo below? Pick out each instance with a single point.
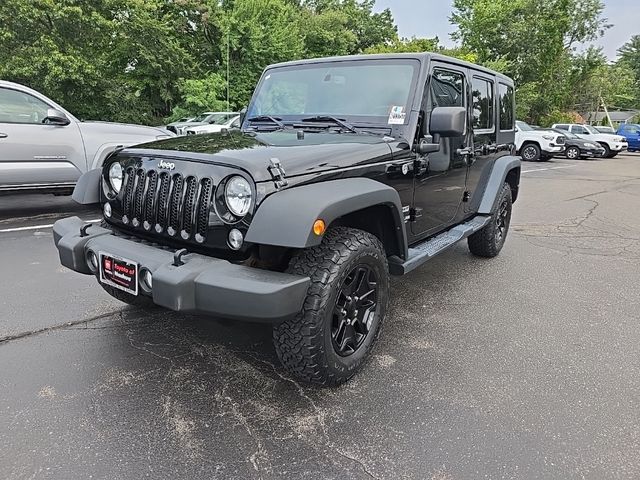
(93, 260)
(235, 239)
(107, 210)
(147, 279)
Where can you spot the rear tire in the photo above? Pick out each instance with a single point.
(530, 152)
(489, 241)
(331, 337)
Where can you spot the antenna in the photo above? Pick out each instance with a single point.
(228, 57)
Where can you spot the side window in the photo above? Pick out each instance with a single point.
(482, 94)
(20, 107)
(506, 107)
(447, 89)
(563, 127)
(579, 130)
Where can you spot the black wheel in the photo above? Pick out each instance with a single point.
(342, 315)
(530, 152)
(572, 153)
(607, 150)
(141, 301)
(489, 241)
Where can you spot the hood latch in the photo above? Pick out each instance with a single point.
(278, 174)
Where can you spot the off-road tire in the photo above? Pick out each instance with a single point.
(530, 152)
(485, 242)
(304, 344)
(607, 150)
(572, 153)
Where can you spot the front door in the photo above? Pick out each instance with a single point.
(32, 154)
(439, 186)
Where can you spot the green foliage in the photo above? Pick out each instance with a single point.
(147, 60)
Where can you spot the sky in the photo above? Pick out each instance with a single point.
(429, 18)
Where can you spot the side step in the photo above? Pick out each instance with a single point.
(421, 252)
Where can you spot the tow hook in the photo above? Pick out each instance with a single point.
(177, 257)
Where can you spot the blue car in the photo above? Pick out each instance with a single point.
(631, 132)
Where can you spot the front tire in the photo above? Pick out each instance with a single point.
(607, 150)
(531, 152)
(489, 241)
(572, 153)
(331, 337)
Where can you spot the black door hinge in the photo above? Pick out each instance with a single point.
(414, 213)
(278, 174)
(466, 196)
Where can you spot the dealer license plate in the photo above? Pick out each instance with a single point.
(119, 273)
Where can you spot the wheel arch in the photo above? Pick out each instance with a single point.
(505, 170)
(286, 218)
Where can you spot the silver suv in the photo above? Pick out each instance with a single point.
(45, 148)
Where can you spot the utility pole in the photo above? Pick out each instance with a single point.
(606, 111)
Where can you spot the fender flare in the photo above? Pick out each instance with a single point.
(286, 218)
(87, 189)
(501, 169)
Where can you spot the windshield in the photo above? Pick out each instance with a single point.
(591, 130)
(365, 91)
(523, 126)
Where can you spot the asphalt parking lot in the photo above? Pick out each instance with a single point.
(525, 366)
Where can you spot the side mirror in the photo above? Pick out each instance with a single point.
(448, 121)
(243, 114)
(56, 117)
(516, 129)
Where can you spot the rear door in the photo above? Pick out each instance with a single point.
(439, 187)
(32, 154)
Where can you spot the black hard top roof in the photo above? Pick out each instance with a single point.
(422, 57)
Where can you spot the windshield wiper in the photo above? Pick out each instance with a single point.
(267, 118)
(331, 118)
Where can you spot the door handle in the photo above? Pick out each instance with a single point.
(3, 135)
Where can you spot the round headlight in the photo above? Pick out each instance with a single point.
(115, 176)
(237, 195)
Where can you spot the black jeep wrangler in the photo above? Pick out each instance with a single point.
(345, 170)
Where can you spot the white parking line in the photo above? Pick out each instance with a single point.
(37, 227)
(548, 168)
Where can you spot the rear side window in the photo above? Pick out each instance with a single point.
(579, 130)
(506, 107)
(563, 127)
(482, 91)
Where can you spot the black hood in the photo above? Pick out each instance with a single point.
(252, 152)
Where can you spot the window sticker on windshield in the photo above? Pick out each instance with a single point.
(397, 115)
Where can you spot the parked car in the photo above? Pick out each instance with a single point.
(537, 145)
(576, 147)
(612, 144)
(604, 129)
(227, 120)
(173, 126)
(203, 119)
(631, 132)
(345, 170)
(45, 148)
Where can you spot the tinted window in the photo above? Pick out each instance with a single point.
(482, 91)
(20, 107)
(447, 89)
(356, 90)
(506, 107)
(579, 130)
(563, 127)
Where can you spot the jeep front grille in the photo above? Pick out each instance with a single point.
(167, 203)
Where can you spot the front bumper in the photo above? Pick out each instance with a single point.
(592, 152)
(552, 149)
(202, 284)
(619, 147)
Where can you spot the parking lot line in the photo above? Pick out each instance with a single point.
(37, 227)
(548, 168)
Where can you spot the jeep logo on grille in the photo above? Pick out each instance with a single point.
(167, 165)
